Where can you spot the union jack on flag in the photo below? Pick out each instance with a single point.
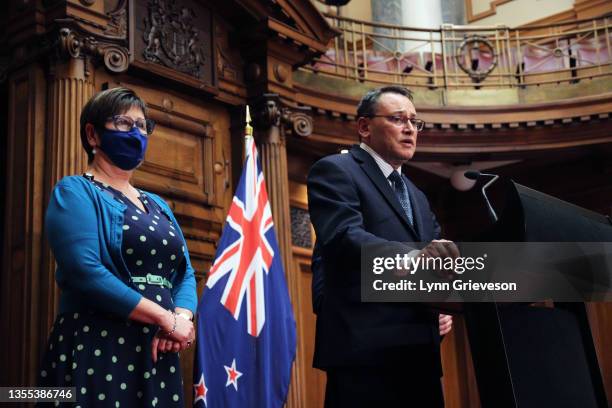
(246, 329)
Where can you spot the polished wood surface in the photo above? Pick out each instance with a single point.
(25, 294)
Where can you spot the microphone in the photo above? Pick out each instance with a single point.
(472, 174)
(475, 175)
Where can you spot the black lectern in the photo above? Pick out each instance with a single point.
(530, 356)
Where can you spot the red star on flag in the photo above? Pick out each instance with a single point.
(232, 375)
(200, 391)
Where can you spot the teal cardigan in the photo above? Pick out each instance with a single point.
(84, 228)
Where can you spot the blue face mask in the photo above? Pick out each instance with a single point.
(125, 149)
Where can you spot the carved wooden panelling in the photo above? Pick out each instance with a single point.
(313, 379)
(173, 38)
(179, 157)
(301, 234)
(228, 59)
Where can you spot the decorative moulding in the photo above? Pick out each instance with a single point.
(173, 39)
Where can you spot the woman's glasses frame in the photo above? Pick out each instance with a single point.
(125, 124)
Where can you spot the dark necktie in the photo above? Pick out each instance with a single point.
(401, 191)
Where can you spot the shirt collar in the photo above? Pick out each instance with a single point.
(385, 167)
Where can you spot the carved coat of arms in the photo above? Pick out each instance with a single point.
(171, 39)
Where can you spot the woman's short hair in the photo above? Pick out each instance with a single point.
(103, 105)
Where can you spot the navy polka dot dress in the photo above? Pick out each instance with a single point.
(106, 358)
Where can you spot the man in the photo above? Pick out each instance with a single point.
(375, 354)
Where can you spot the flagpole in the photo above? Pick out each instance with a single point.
(258, 346)
(248, 132)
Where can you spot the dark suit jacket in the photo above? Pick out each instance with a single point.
(351, 204)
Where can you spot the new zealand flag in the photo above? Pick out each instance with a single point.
(246, 330)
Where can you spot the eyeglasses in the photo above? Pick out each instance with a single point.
(125, 124)
(401, 121)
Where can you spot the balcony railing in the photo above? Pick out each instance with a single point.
(468, 56)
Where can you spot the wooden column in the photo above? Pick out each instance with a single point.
(21, 252)
(273, 122)
(273, 156)
(70, 86)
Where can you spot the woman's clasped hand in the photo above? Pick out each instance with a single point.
(177, 335)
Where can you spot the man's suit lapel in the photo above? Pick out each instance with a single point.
(382, 184)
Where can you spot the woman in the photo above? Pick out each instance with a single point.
(127, 286)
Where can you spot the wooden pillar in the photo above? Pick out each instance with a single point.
(273, 122)
(273, 156)
(19, 276)
(70, 86)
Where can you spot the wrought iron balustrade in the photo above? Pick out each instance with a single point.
(468, 56)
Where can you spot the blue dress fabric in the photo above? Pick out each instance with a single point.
(108, 358)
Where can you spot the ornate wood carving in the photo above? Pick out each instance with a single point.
(300, 121)
(117, 26)
(229, 61)
(301, 234)
(267, 112)
(73, 42)
(270, 111)
(173, 38)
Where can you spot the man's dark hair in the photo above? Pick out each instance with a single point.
(367, 105)
(104, 105)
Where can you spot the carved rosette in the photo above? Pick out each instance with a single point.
(74, 44)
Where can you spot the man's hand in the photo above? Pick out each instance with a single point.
(445, 323)
(441, 248)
